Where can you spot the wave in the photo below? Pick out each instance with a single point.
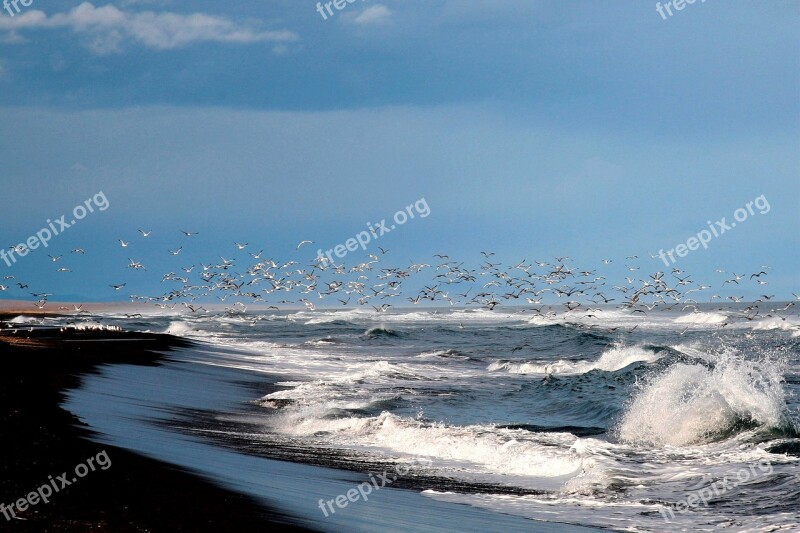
(702, 318)
(695, 403)
(181, 329)
(381, 331)
(611, 360)
(323, 341)
(774, 323)
(329, 321)
(475, 449)
(25, 319)
(446, 354)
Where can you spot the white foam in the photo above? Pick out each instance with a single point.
(701, 318)
(691, 403)
(611, 360)
(22, 319)
(181, 329)
(469, 449)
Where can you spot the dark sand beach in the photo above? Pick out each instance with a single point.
(40, 440)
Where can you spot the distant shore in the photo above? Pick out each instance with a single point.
(40, 440)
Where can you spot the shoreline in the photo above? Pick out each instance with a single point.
(42, 440)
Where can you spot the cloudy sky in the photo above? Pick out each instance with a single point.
(531, 128)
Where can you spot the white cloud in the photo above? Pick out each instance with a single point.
(376, 14)
(107, 28)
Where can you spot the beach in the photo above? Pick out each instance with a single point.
(41, 440)
(408, 420)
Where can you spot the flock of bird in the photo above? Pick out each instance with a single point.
(541, 288)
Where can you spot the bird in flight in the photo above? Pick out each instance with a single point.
(123, 243)
(189, 233)
(302, 243)
(145, 233)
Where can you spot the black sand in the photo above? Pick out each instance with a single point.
(39, 439)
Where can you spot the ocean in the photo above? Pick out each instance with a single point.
(472, 419)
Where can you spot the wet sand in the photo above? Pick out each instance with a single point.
(40, 439)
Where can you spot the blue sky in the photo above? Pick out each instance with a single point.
(531, 128)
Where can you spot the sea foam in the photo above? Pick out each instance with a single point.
(694, 403)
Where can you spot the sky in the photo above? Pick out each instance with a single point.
(530, 128)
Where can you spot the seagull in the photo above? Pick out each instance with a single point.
(176, 252)
(144, 233)
(56, 258)
(116, 287)
(123, 243)
(735, 279)
(189, 233)
(63, 270)
(241, 246)
(302, 243)
(78, 251)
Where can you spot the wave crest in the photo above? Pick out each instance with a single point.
(693, 403)
(611, 360)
